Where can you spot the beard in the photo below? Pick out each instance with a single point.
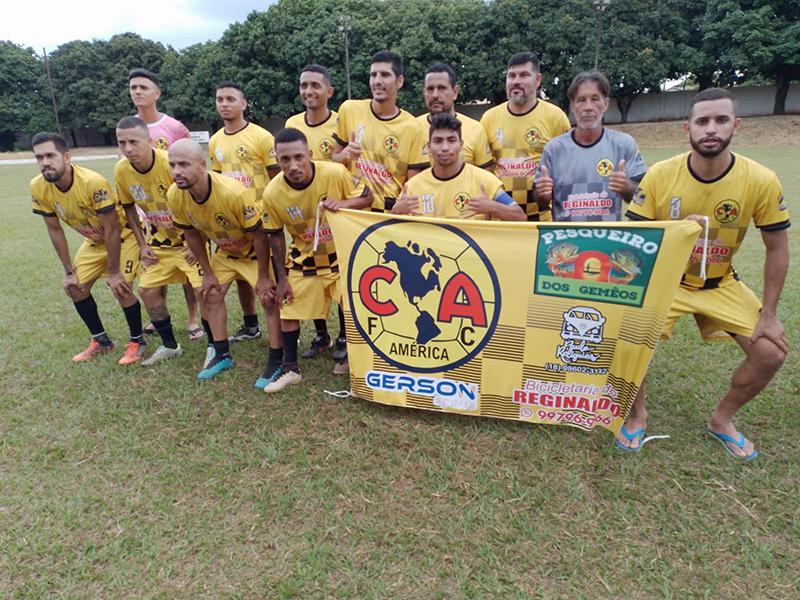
(53, 176)
(710, 152)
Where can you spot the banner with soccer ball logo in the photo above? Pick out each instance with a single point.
(548, 323)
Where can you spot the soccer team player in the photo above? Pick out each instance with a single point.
(439, 164)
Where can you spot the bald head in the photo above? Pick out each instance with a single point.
(188, 163)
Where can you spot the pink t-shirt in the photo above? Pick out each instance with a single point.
(165, 131)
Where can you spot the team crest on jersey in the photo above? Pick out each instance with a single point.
(162, 190)
(326, 147)
(532, 136)
(461, 201)
(605, 167)
(391, 144)
(222, 220)
(727, 211)
(218, 153)
(242, 152)
(83, 209)
(100, 196)
(161, 143)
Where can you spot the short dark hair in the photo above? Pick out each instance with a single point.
(445, 121)
(146, 74)
(596, 76)
(132, 123)
(289, 135)
(46, 136)
(230, 84)
(713, 94)
(521, 58)
(443, 68)
(389, 57)
(312, 68)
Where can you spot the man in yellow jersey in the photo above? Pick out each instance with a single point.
(441, 92)
(142, 179)
(453, 189)
(85, 201)
(292, 201)
(519, 129)
(379, 142)
(210, 205)
(246, 152)
(729, 190)
(145, 90)
(318, 122)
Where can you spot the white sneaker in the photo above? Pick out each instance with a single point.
(286, 378)
(163, 353)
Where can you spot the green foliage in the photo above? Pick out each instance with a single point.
(642, 44)
(23, 104)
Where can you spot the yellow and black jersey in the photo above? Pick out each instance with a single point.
(746, 191)
(449, 198)
(245, 156)
(320, 136)
(148, 191)
(296, 209)
(476, 150)
(226, 216)
(517, 142)
(389, 148)
(89, 195)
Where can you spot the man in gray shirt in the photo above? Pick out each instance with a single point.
(586, 173)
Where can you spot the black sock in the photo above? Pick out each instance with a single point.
(87, 309)
(133, 315)
(251, 321)
(321, 325)
(164, 329)
(290, 345)
(275, 359)
(342, 333)
(207, 329)
(222, 349)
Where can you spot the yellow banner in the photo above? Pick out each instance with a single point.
(547, 323)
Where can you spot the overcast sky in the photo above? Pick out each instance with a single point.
(181, 23)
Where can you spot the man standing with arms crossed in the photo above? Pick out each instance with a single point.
(142, 179)
(441, 92)
(292, 201)
(729, 190)
(212, 206)
(519, 129)
(318, 122)
(587, 173)
(84, 200)
(145, 90)
(379, 142)
(246, 152)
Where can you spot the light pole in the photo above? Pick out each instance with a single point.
(600, 6)
(345, 29)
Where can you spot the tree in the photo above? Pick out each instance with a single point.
(764, 36)
(23, 106)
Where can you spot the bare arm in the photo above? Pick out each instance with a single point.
(70, 282)
(145, 251)
(265, 287)
(277, 243)
(345, 154)
(111, 232)
(776, 266)
(332, 204)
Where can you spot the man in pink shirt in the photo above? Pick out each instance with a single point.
(145, 90)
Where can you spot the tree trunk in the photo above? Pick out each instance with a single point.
(782, 82)
(624, 106)
(704, 80)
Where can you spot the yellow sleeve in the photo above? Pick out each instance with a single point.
(271, 220)
(418, 158)
(341, 133)
(771, 212)
(216, 166)
(252, 212)
(39, 204)
(123, 190)
(348, 185)
(481, 150)
(180, 217)
(563, 124)
(643, 204)
(492, 184)
(267, 151)
(103, 197)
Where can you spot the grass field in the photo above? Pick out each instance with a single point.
(136, 483)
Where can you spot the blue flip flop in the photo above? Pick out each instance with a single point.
(631, 437)
(739, 444)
